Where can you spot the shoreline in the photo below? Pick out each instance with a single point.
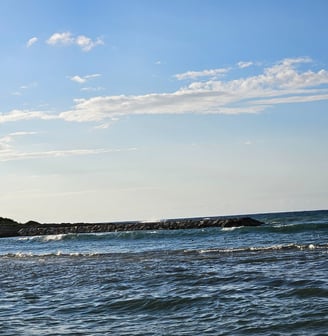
(11, 228)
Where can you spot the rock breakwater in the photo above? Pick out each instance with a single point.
(10, 228)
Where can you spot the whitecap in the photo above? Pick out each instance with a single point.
(231, 228)
(52, 237)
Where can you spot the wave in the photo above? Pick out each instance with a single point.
(274, 227)
(47, 238)
(23, 255)
(160, 253)
(124, 235)
(296, 227)
(278, 247)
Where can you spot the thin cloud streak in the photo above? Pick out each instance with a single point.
(243, 65)
(19, 115)
(204, 73)
(83, 79)
(10, 155)
(8, 152)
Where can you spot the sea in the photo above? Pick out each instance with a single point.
(267, 280)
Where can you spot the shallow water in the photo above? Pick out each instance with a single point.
(270, 280)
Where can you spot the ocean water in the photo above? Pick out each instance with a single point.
(268, 280)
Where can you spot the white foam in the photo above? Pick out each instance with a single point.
(231, 228)
(43, 238)
(21, 254)
(53, 237)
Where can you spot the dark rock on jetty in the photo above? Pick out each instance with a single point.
(10, 228)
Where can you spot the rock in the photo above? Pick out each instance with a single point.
(241, 221)
(32, 223)
(10, 228)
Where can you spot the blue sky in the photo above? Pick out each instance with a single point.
(118, 110)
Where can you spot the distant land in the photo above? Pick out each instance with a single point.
(11, 228)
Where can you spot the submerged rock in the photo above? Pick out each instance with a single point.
(10, 228)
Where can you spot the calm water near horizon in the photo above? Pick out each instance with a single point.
(268, 280)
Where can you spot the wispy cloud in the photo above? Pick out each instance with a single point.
(22, 133)
(16, 93)
(31, 41)
(92, 89)
(67, 38)
(6, 141)
(83, 79)
(280, 83)
(8, 152)
(243, 65)
(19, 115)
(203, 73)
(10, 155)
(29, 86)
(24, 87)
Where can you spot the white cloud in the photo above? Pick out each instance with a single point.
(281, 83)
(67, 38)
(243, 65)
(203, 73)
(78, 79)
(18, 115)
(83, 79)
(22, 133)
(31, 41)
(61, 38)
(86, 43)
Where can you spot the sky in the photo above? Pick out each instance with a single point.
(149, 109)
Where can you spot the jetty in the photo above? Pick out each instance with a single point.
(11, 228)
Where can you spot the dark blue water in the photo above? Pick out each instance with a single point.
(270, 280)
